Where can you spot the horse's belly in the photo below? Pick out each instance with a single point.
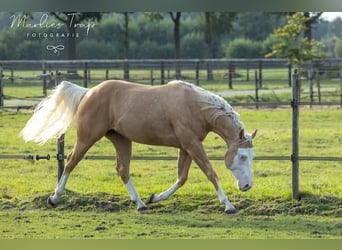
(152, 133)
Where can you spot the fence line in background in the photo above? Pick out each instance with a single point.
(51, 72)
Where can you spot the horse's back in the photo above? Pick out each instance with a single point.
(146, 114)
(167, 96)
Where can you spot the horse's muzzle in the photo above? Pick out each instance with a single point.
(245, 187)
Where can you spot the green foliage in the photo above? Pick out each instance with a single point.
(292, 45)
(244, 48)
(92, 49)
(3, 51)
(193, 46)
(256, 26)
(28, 50)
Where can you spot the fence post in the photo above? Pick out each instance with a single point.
(44, 79)
(162, 73)
(310, 77)
(260, 74)
(60, 155)
(247, 73)
(210, 75)
(230, 75)
(256, 90)
(126, 70)
(12, 75)
(295, 135)
(85, 75)
(197, 73)
(151, 77)
(289, 66)
(1, 88)
(318, 85)
(107, 74)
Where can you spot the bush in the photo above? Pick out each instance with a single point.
(193, 46)
(92, 49)
(150, 49)
(29, 50)
(244, 48)
(3, 51)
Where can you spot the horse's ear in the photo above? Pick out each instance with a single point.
(242, 134)
(254, 133)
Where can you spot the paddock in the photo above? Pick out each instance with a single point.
(297, 99)
(97, 190)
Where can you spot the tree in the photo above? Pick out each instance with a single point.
(293, 44)
(175, 17)
(176, 33)
(125, 31)
(216, 24)
(256, 26)
(72, 20)
(311, 19)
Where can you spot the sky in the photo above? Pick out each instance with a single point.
(330, 16)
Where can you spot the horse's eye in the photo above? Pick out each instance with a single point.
(243, 157)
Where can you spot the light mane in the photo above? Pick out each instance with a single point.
(216, 102)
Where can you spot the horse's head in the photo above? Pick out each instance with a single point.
(239, 159)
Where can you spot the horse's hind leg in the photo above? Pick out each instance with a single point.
(123, 148)
(80, 148)
(184, 162)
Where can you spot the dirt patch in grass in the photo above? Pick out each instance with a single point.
(309, 204)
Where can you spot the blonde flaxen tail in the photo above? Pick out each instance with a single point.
(54, 114)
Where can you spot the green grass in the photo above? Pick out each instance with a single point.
(96, 204)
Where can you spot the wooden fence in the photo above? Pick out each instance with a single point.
(199, 71)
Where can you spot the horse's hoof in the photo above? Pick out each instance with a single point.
(143, 210)
(150, 200)
(231, 211)
(50, 204)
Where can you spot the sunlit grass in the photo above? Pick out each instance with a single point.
(95, 192)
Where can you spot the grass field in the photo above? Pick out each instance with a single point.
(96, 204)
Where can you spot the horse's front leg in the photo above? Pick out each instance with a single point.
(229, 208)
(197, 152)
(123, 148)
(184, 162)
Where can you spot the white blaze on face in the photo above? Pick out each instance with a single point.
(242, 168)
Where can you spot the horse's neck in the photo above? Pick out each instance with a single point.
(226, 128)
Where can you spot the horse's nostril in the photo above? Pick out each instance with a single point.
(246, 187)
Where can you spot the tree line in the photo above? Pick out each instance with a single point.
(95, 35)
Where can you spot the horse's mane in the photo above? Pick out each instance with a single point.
(210, 101)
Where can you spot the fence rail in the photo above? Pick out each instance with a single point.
(37, 157)
(229, 72)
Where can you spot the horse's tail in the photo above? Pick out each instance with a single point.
(54, 114)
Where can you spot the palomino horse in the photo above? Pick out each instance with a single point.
(177, 114)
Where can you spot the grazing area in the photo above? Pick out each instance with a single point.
(97, 205)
